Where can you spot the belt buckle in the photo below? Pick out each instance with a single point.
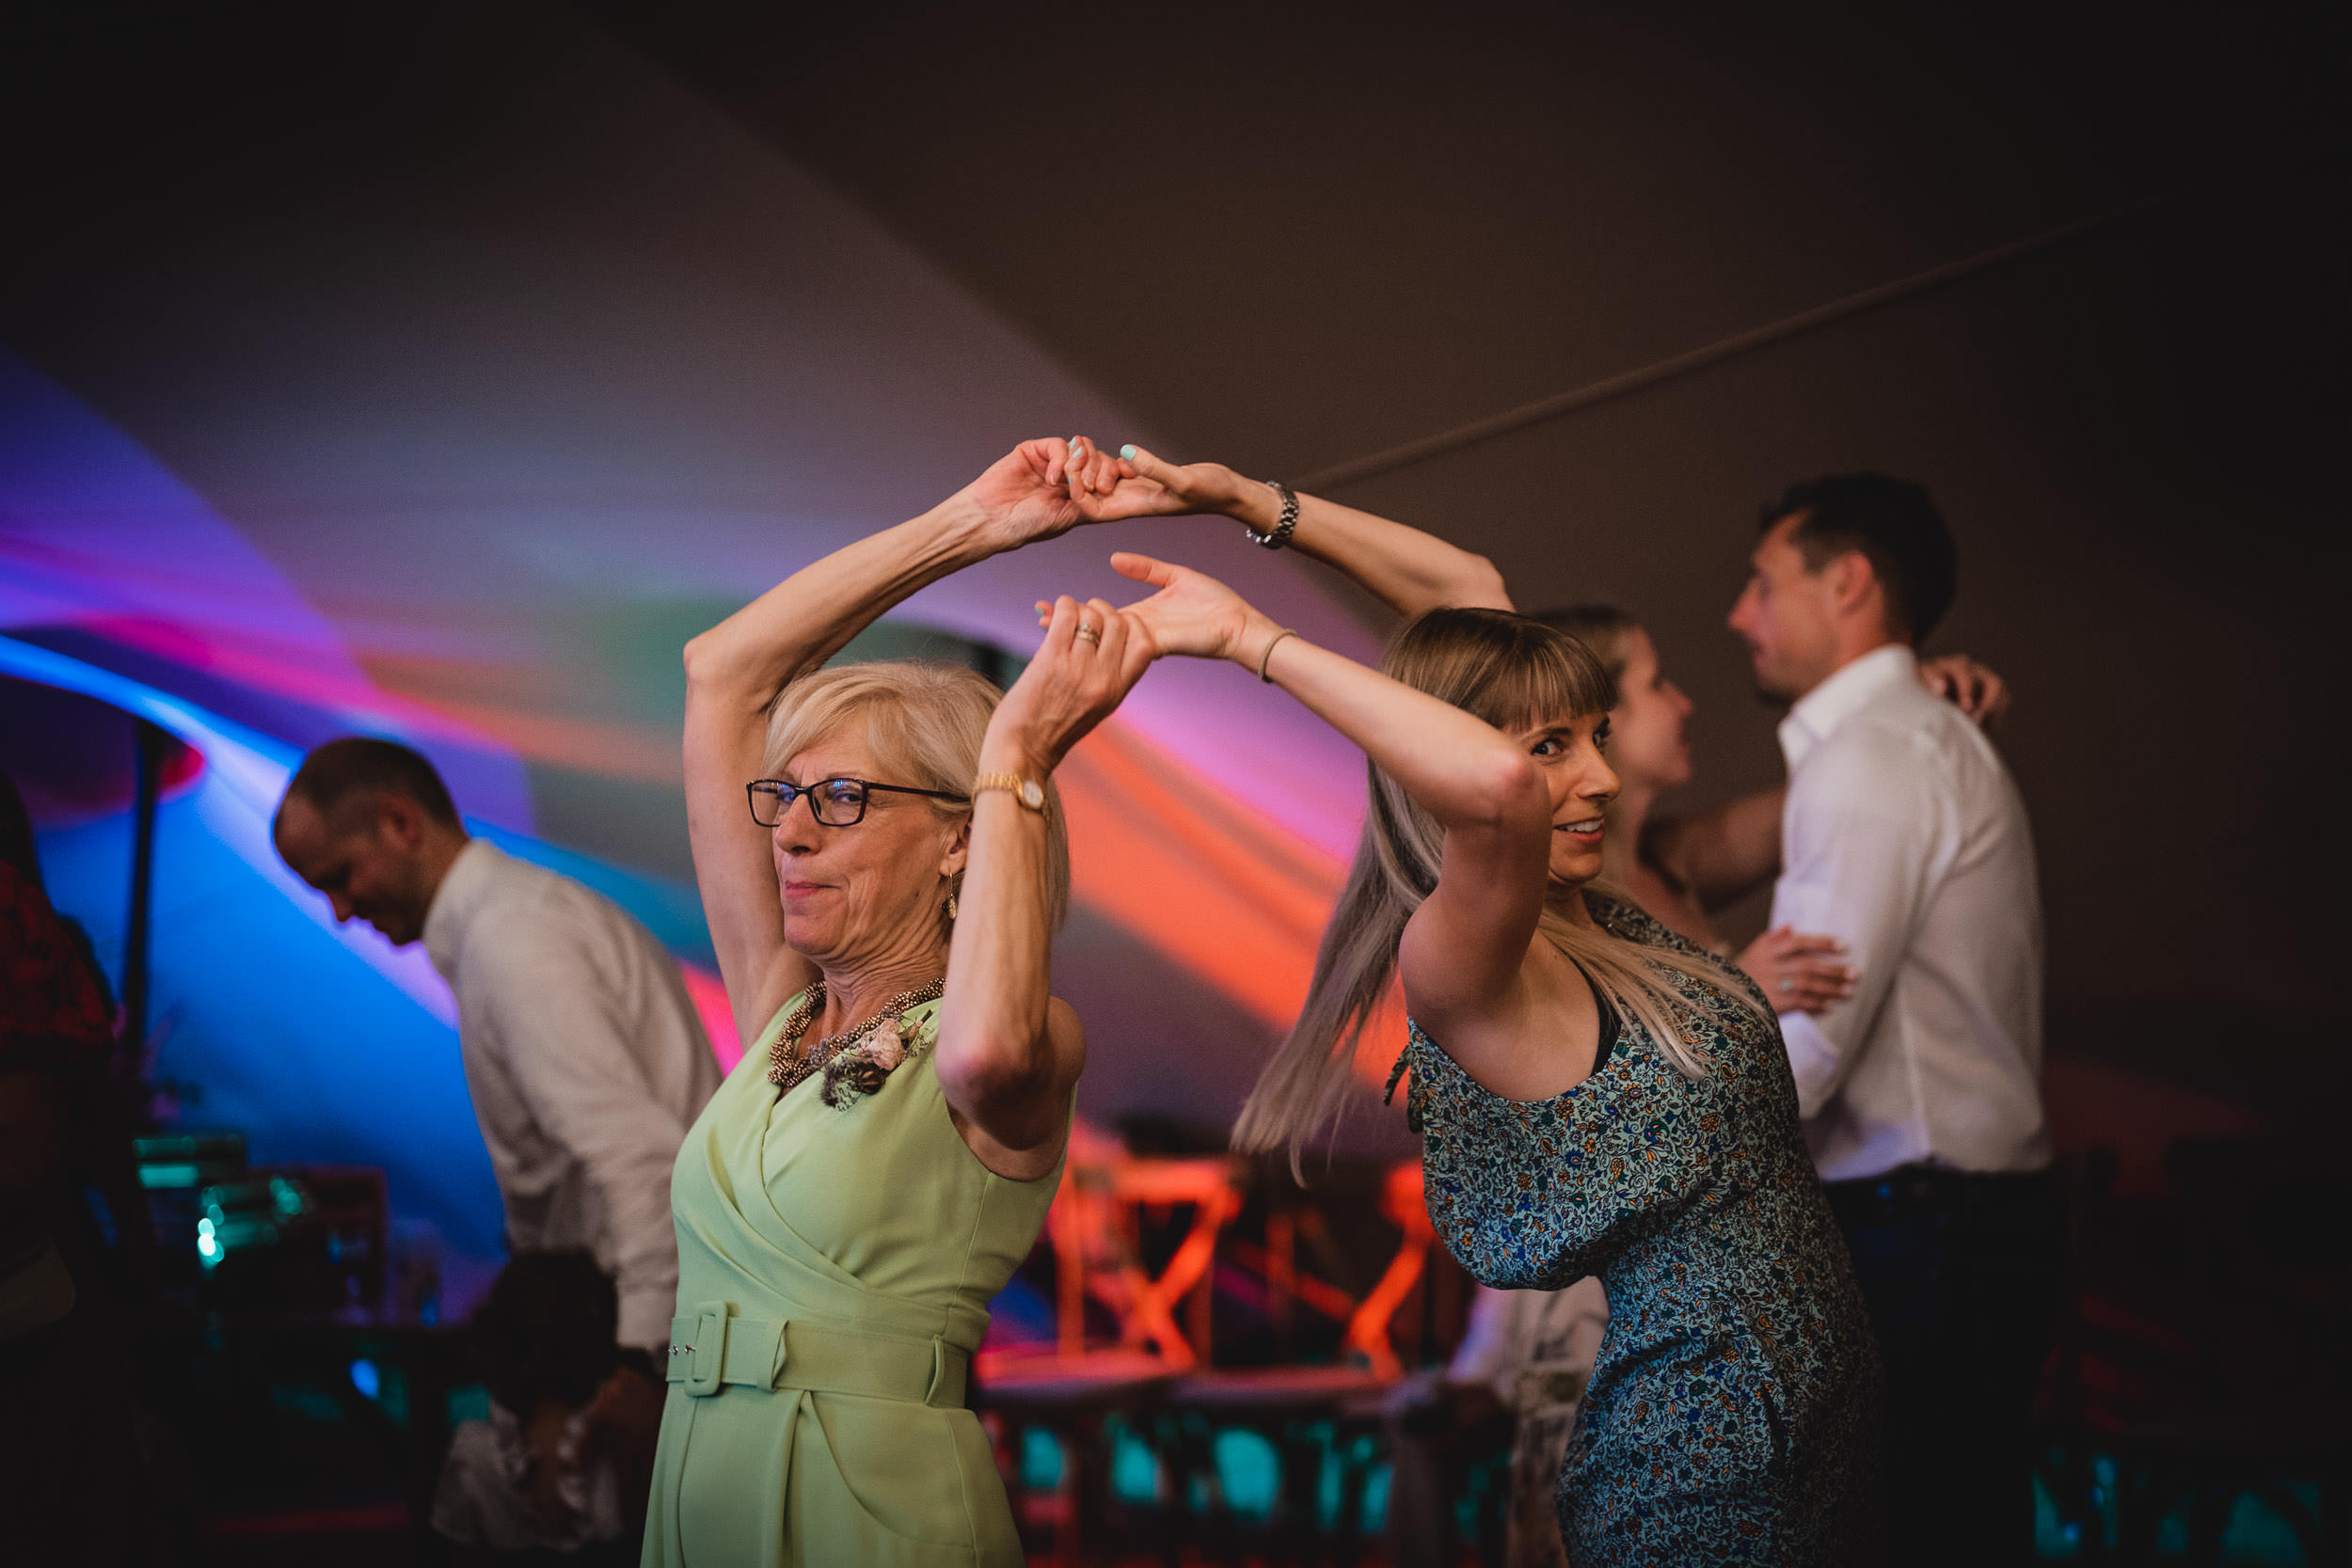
(707, 1373)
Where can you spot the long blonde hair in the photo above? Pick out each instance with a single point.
(924, 722)
(1511, 672)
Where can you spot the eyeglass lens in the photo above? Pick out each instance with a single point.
(835, 802)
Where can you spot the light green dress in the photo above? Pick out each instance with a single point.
(834, 1270)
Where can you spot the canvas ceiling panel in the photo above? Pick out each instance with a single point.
(624, 352)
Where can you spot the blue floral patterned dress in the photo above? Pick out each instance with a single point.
(1731, 1415)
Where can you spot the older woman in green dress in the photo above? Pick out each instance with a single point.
(882, 865)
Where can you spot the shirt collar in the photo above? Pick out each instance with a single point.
(1846, 692)
(464, 886)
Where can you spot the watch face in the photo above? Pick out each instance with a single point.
(1032, 794)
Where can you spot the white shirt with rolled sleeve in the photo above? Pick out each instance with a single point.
(1904, 837)
(586, 1063)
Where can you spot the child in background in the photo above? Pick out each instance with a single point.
(520, 1482)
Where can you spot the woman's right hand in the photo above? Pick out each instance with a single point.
(1194, 614)
(1797, 970)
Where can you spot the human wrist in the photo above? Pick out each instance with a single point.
(1011, 750)
(1253, 503)
(1256, 642)
(973, 529)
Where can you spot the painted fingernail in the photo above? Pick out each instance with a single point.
(1127, 450)
(1073, 445)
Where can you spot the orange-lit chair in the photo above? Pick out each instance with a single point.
(1285, 1403)
(1095, 1228)
(1097, 1251)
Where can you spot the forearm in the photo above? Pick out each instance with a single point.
(744, 660)
(996, 1060)
(1405, 568)
(1460, 768)
(1721, 854)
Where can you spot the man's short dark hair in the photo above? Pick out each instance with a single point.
(340, 772)
(1896, 528)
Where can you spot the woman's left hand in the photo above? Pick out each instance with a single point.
(1071, 684)
(1025, 495)
(1134, 484)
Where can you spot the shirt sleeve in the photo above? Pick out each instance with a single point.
(1864, 829)
(563, 1037)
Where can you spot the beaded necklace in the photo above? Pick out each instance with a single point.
(789, 1062)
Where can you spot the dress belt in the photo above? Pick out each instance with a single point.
(716, 1347)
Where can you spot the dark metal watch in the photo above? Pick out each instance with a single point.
(1280, 534)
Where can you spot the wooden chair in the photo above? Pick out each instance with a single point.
(1291, 1408)
(1095, 1226)
(1097, 1250)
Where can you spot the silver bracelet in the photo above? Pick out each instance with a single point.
(1280, 534)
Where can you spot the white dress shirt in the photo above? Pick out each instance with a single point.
(586, 1062)
(1904, 838)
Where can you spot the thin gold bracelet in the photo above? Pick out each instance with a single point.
(1267, 658)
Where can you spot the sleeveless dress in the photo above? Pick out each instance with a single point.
(1731, 1415)
(834, 1270)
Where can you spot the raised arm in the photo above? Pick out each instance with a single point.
(735, 669)
(1008, 1051)
(1405, 569)
(1465, 946)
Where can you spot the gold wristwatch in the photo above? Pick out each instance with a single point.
(1030, 793)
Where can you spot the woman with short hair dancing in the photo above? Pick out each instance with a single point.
(883, 860)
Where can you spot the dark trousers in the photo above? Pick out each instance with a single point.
(1963, 1276)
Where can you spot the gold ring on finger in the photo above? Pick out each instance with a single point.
(1087, 634)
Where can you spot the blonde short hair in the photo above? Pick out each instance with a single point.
(924, 722)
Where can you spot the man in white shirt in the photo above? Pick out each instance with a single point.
(1903, 836)
(582, 1051)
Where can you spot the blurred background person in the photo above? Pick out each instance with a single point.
(528, 1480)
(1517, 1378)
(1682, 869)
(1905, 837)
(77, 1483)
(583, 1054)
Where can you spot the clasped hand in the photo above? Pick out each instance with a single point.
(1093, 653)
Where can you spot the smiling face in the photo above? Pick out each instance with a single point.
(870, 892)
(1647, 742)
(377, 858)
(1569, 753)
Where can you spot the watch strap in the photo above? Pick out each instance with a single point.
(1280, 534)
(1029, 792)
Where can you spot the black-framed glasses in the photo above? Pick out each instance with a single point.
(835, 802)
